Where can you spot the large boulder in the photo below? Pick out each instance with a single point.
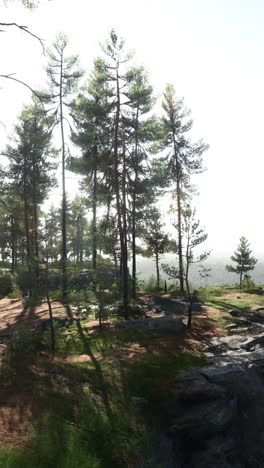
(170, 306)
(218, 415)
(166, 324)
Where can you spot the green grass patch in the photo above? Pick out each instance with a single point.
(77, 340)
(91, 419)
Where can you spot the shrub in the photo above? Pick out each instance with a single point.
(23, 340)
(151, 284)
(5, 284)
(16, 293)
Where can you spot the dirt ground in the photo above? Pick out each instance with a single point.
(23, 400)
(13, 313)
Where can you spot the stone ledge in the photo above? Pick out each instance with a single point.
(172, 324)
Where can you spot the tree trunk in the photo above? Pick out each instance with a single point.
(188, 252)
(189, 324)
(13, 245)
(157, 270)
(52, 334)
(64, 201)
(94, 225)
(125, 256)
(240, 280)
(35, 210)
(179, 226)
(27, 226)
(116, 188)
(134, 267)
(115, 261)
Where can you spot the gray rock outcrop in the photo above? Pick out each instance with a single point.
(217, 411)
(218, 418)
(169, 306)
(166, 324)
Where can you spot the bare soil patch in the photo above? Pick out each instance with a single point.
(13, 312)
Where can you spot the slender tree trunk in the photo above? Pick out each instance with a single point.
(15, 253)
(125, 256)
(26, 222)
(36, 238)
(240, 281)
(134, 267)
(179, 220)
(115, 260)
(189, 324)
(64, 201)
(94, 225)
(157, 269)
(35, 211)
(52, 334)
(78, 246)
(23, 251)
(116, 183)
(13, 245)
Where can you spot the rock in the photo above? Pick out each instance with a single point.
(217, 411)
(218, 416)
(59, 321)
(257, 309)
(140, 402)
(205, 420)
(171, 306)
(254, 344)
(194, 388)
(166, 324)
(234, 312)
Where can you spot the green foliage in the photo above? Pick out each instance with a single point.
(6, 284)
(30, 4)
(23, 341)
(242, 257)
(57, 294)
(15, 294)
(151, 285)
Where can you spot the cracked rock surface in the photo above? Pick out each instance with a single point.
(217, 411)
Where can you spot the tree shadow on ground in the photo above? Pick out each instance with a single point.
(30, 315)
(229, 306)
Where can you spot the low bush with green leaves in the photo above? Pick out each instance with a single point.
(15, 294)
(6, 284)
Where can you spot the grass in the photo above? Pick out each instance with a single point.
(245, 299)
(90, 419)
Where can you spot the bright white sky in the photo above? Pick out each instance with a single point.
(211, 50)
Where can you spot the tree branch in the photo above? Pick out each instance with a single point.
(24, 29)
(10, 76)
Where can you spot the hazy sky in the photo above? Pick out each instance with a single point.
(211, 50)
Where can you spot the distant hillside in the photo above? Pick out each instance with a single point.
(219, 275)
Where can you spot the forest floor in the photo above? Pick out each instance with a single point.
(90, 385)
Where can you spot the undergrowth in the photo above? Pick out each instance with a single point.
(91, 419)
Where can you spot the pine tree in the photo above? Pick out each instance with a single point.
(141, 131)
(192, 236)
(90, 111)
(157, 241)
(184, 158)
(118, 76)
(30, 173)
(242, 257)
(77, 230)
(63, 74)
(51, 234)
